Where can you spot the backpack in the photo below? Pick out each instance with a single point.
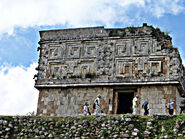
(88, 111)
(94, 106)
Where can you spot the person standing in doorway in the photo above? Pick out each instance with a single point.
(110, 107)
(97, 104)
(182, 107)
(135, 104)
(171, 107)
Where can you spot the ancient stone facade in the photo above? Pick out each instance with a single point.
(77, 64)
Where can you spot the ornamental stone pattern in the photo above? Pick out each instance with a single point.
(77, 64)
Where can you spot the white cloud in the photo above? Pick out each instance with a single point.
(183, 62)
(18, 95)
(159, 8)
(26, 13)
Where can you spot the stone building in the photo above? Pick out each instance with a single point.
(76, 65)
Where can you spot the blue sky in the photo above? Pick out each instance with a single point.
(21, 20)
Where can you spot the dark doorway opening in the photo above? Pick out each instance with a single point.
(125, 103)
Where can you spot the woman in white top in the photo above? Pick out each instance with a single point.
(86, 109)
(97, 104)
(135, 104)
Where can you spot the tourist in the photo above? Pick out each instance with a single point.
(171, 107)
(135, 104)
(182, 107)
(97, 104)
(110, 107)
(146, 110)
(86, 109)
(145, 107)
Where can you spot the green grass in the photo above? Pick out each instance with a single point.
(8, 118)
(104, 134)
(169, 125)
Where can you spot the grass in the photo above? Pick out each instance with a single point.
(171, 47)
(132, 30)
(123, 33)
(89, 118)
(7, 118)
(59, 123)
(104, 134)
(169, 125)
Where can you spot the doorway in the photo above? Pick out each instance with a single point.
(124, 102)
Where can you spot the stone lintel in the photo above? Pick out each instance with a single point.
(109, 84)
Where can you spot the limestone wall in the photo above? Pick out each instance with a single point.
(158, 97)
(122, 126)
(70, 101)
(57, 102)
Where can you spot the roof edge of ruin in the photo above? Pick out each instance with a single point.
(65, 29)
(101, 31)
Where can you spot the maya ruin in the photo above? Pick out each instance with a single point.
(75, 65)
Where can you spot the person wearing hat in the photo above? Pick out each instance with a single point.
(97, 104)
(135, 104)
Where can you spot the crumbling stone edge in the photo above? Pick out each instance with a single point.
(109, 126)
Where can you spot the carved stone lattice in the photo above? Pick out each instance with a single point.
(54, 52)
(123, 68)
(89, 50)
(155, 67)
(123, 48)
(141, 48)
(54, 70)
(105, 57)
(73, 51)
(70, 69)
(140, 57)
(174, 67)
